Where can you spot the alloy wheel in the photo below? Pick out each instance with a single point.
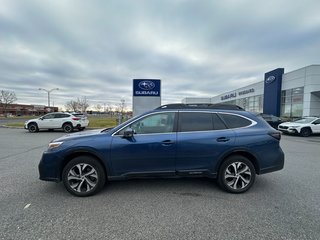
(82, 178)
(237, 175)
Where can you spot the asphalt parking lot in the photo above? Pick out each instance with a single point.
(281, 205)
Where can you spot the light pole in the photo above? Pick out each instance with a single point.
(49, 91)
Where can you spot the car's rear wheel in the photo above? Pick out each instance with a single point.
(305, 132)
(33, 127)
(83, 176)
(236, 174)
(67, 127)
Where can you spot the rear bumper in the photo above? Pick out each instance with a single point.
(277, 164)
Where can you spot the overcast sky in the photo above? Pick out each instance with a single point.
(197, 48)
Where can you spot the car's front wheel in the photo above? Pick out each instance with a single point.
(236, 174)
(33, 127)
(83, 176)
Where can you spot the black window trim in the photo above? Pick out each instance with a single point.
(249, 119)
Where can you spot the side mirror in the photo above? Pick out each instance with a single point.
(128, 133)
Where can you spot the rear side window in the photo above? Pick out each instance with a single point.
(61, 115)
(235, 121)
(218, 124)
(195, 121)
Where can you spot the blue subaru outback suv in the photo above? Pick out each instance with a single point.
(175, 140)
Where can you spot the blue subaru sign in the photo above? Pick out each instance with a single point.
(272, 92)
(146, 87)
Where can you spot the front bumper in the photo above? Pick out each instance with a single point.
(50, 167)
(288, 130)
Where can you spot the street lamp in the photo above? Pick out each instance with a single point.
(49, 91)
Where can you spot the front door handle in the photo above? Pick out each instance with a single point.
(223, 139)
(167, 142)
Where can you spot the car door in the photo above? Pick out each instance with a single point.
(47, 121)
(316, 126)
(60, 119)
(150, 151)
(202, 137)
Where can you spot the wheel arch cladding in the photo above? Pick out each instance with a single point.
(32, 123)
(73, 155)
(246, 154)
(67, 123)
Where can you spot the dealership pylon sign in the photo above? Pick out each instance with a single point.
(146, 95)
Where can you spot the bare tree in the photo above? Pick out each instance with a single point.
(98, 107)
(72, 106)
(121, 106)
(7, 98)
(107, 107)
(83, 104)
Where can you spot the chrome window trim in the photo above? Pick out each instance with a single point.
(218, 112)
(184, 111)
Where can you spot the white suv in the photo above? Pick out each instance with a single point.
(304, 126)
(58, 120)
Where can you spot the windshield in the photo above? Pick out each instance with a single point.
(304, 120)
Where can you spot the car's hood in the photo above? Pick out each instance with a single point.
(32, 120)
(78, 135)
(289, 124)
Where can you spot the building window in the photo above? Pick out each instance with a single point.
(292, 102)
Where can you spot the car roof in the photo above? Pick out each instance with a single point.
(200, 106)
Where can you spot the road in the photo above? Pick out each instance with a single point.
(280, 205)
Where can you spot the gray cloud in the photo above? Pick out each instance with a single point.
(198, 49)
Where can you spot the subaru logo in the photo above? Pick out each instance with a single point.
(270, 79)
(147, 85)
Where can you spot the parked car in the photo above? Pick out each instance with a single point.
(176, 140)
(274, 121)
(58, 120)
(304, 126)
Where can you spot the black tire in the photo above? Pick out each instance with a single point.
(81, 128)
(67, 127)
(87, 182)
(33, 128)
(236, 174)
(305, 132)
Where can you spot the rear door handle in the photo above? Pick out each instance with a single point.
(223, 139)
(167, 142)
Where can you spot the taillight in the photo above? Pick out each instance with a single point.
(276, 135)
(76, 119)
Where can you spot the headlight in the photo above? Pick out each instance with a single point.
(54, 145)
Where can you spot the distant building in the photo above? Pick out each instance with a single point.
(289, 95)
(26, 110)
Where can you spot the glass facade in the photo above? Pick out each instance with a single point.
(252, 104)
(292, 102)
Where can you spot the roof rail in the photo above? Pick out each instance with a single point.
(201, 106)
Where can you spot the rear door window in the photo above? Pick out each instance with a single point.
(61, 115)
(195, 121)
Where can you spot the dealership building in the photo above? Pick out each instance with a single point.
(292, 94)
